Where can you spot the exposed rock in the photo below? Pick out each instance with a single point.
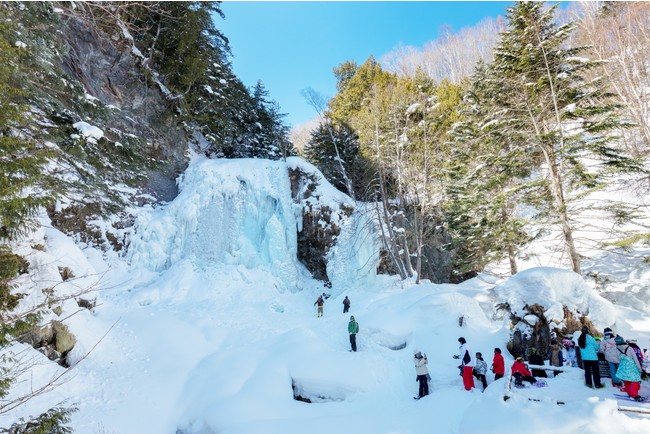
(319, 227)
(64, 340)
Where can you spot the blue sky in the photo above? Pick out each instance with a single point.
(294, 45)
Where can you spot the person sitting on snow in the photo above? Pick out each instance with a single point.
(520, 373)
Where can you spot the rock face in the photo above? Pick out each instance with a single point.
(112, 74)
(319, 224)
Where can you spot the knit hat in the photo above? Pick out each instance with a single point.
(619, 340)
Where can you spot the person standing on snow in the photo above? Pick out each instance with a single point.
(498, 364)
(534, 358)
(589, 353)
(629, 369)
(353, 329)
(480, 370)
(612, 355)
(571, 358)
(346, 304)
(467, 363)
(320, 302)
(555, 356)
(422, 372)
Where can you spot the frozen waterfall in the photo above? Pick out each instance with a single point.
(238, 216)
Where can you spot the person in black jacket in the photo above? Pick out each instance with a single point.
(535, 359)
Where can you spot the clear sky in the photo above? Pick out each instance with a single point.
(294, 45)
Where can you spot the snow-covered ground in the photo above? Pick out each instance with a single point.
(209, 326)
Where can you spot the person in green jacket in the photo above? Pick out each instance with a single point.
(353, 329)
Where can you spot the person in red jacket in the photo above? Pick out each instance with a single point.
(520, 373)
(498, 365)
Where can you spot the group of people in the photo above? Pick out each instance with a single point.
(476, 366)
(628, 364)
(353, 325)
(320, 304)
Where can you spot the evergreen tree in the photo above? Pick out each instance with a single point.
(545, 106)
(488, 180)
(22, 162)
(321, 152)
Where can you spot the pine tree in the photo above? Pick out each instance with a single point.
(488, 180)
(548, 108)
(335, 164)
(22, 194)
(22, 162)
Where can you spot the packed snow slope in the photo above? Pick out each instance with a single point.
(209, 326)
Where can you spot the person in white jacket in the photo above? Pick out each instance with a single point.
(467, 363)
(422, 372)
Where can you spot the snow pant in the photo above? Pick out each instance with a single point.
(424, 386)
(632, 388)
(482, 379)
(353, 341)
(320, 311)
(520, 378)
(592, 372)
(613, 367)
(346, 308)
(468, 379)
(497, 376)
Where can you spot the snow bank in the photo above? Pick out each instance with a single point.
(553, 288)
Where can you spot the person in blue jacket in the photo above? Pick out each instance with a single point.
(589, 353)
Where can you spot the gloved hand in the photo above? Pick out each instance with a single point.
(456, 356)
(644, 376)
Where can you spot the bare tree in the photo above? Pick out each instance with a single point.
(619, 37)
(317, 101)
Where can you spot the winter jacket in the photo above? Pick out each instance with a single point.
(637, 351)
(629, 369)
(571, 359)
(481, 367)
(319, 302)
(590, 351)
(498, 365)
(465, 354)
(421, 365)
(646, 362)
(353, 327)
(556, 357)
(521, 368)
(608, 348)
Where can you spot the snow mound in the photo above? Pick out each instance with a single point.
(553, 288)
